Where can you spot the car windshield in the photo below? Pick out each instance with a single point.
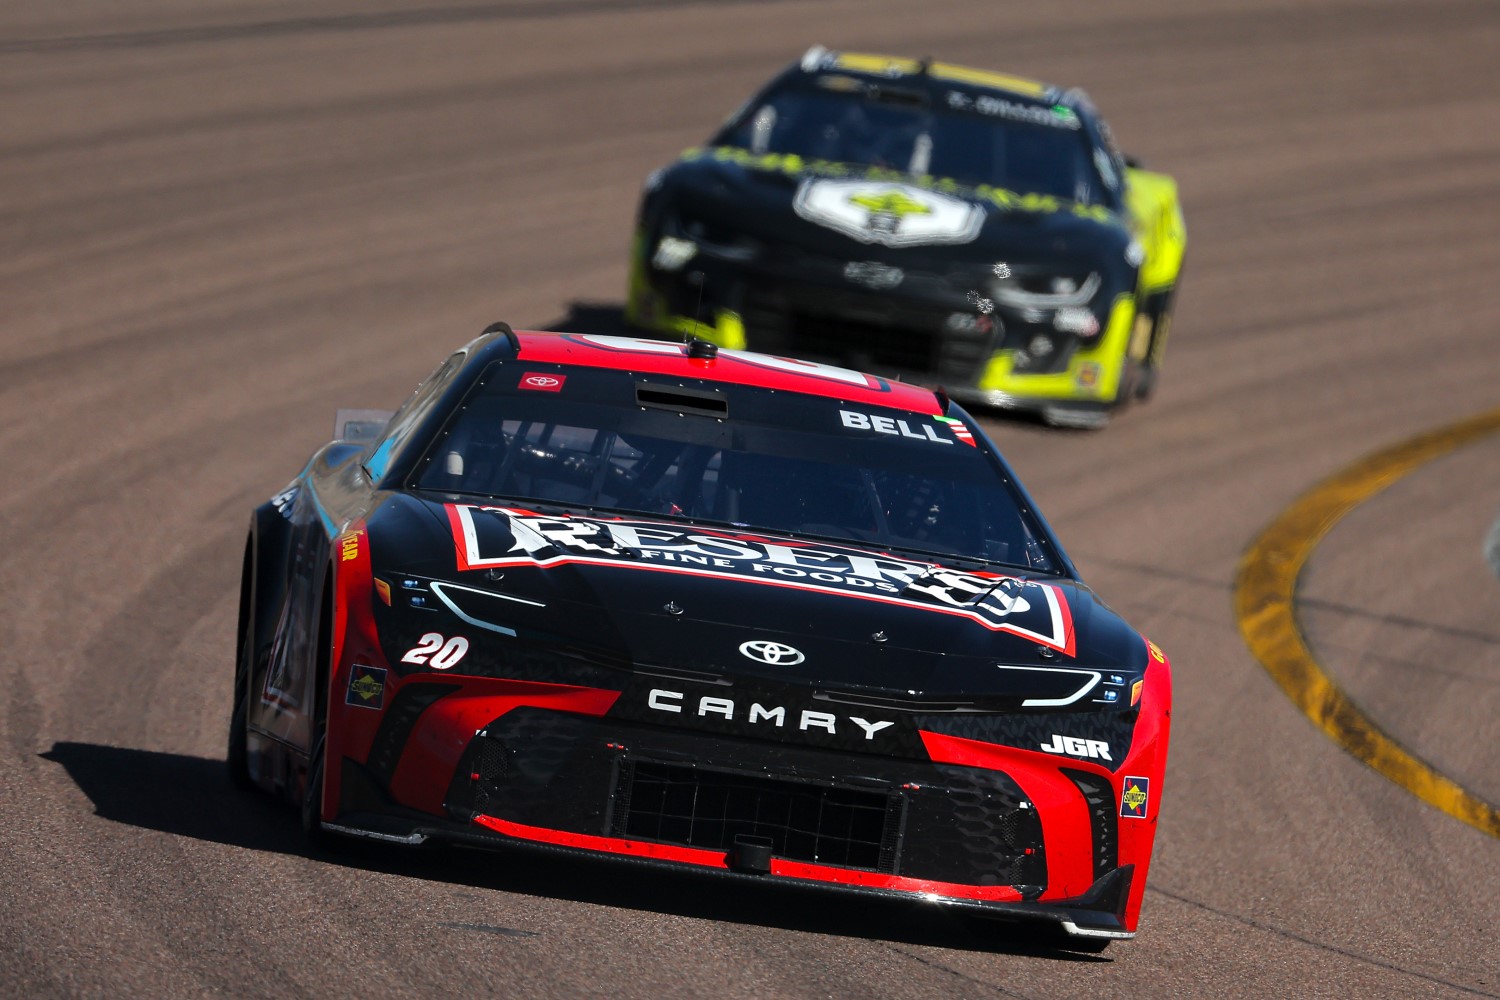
(983, 139)
(742, 457)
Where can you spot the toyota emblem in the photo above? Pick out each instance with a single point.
(542, 382)
(773, 654)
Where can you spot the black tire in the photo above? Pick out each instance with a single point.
(236, 752)
(312, 801)
(236, 756)
(1145, 382)
(312, 793)
(1161, 319)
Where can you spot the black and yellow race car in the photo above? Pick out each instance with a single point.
(940, 224)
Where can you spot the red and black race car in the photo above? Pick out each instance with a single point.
(704, 608)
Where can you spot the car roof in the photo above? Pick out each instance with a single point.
(819, 60)
(716, 364)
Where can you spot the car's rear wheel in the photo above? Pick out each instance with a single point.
(1160, 308)
(236, 756)
(312, 800)
(236, 753)
(312, 792)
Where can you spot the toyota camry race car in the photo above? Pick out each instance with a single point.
(702, 608)
(941, 224)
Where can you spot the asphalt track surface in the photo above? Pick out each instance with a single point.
(220, 220)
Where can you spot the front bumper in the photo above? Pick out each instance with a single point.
(1094, 915)
(926, 329)
(1036, 844)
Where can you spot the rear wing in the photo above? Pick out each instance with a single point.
(360, 426)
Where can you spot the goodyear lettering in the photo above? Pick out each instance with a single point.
(349, 547)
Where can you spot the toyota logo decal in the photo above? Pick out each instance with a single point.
(541, 382)
(772, 654)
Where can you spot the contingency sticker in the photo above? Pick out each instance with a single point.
(366, 687)
(1134, 796)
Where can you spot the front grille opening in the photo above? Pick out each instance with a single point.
(679, 804)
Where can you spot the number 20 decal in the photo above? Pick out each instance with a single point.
(433, 651)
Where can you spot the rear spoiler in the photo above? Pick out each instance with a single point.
(360, 426)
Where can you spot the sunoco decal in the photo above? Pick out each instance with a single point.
(366, 687)
(486, 537)
(1134, 796)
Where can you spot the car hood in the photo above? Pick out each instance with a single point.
(844, 210)
(644, 594)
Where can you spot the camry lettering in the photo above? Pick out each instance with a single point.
(823, 720)
(1075, 747)
(870, 728)
(759, 713)
(718, 706)
(889, 425)
(664, 700)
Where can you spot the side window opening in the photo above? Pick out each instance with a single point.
(410, 415)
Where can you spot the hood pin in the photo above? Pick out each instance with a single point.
(672, 608)
(878, 636)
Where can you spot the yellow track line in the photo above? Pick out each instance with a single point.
(1265, 605)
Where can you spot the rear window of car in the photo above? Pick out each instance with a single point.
(604, 440)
